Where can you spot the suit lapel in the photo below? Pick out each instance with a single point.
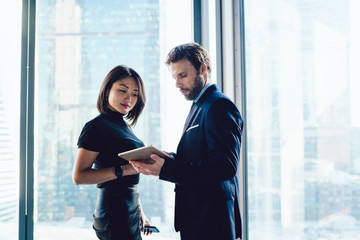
(191, 115)
(195, 106)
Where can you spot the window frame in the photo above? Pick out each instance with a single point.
(27, 86)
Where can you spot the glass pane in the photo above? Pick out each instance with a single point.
(78, 43)
(209, 31)
(10, 53)
(303, 119)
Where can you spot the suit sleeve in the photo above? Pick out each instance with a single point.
(223, 129)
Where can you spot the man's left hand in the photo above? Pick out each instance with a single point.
(149, 169)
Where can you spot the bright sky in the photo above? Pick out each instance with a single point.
(10, 50)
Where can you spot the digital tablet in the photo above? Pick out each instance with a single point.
(143, 154)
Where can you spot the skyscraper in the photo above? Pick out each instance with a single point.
(302, 147)
(96, 35)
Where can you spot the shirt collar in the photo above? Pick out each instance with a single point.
(202, 91)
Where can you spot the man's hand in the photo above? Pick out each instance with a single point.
(149, 169)
(144, 222)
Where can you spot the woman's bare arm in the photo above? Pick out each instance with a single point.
(83, 173)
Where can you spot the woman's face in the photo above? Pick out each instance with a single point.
(123, 95)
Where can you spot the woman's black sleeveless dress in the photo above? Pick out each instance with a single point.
(117, 213)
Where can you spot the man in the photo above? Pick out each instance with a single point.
(205, 168)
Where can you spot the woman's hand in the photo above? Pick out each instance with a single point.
(144, 222)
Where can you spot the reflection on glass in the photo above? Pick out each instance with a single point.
(10, 46)
(78, 42)
(303, 119)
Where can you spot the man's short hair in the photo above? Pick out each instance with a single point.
(192, 52)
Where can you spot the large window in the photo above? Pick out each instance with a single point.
(302, 116)
(77, 43)
(303, 119)
(10, 45)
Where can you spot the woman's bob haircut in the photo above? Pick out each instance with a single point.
(116, 74)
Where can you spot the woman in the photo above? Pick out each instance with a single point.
(118, 213)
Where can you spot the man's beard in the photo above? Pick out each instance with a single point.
(198, 86)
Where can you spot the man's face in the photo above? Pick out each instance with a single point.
(188, 79)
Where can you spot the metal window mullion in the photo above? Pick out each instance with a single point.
(219, 45)
(26, 171)
(197, 21)
(240, 99)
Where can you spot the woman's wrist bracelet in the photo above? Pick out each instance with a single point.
(118, 171)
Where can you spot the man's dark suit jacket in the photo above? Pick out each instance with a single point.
(206, 170)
